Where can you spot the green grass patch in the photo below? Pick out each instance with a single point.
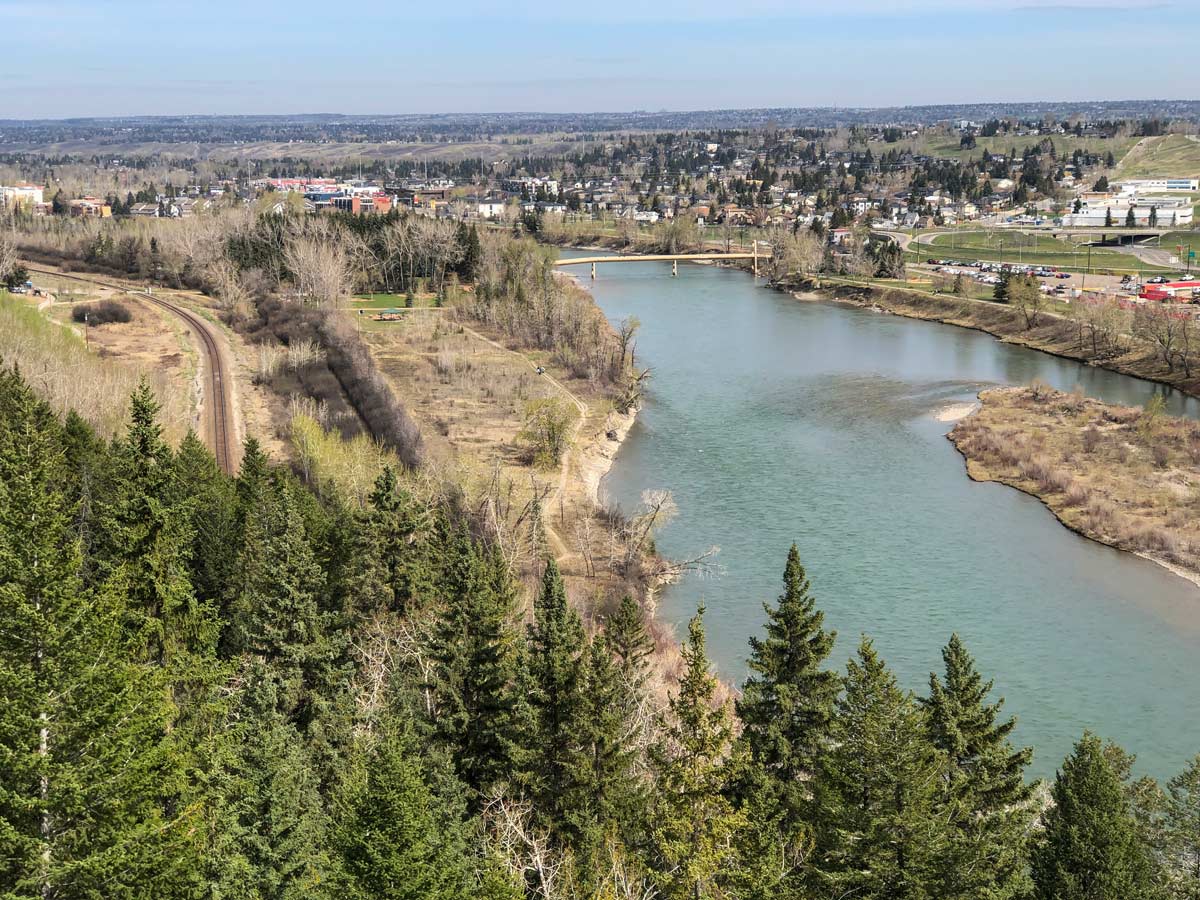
(1064, 145)
(1030, 249)
(391, 301)
(1169, 156)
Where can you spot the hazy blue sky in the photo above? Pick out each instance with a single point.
(114, 57)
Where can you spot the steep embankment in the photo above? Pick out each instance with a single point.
(1126, 477)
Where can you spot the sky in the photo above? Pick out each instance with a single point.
(146, 57)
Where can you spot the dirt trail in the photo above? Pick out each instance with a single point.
(561, 550)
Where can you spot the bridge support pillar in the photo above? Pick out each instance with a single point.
(674, 267)
(593, 271)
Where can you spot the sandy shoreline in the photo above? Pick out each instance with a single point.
(955, 411)
(597, 458)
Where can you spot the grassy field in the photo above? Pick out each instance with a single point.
(390, 301)
(1033, 249)
(1064, 144)
(1173, 155)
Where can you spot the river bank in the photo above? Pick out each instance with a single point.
(1052, 334)
(1125, 477)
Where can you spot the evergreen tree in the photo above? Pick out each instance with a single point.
(1182, 827)
(269, 837)
(1091, 848)
(556, 677)
(787, 703)
(145, 548)
(985, 793)
(475, 663)
(629, 641)
(877, 789)
(84, 764)
(275, 614)
(397, 839)
(695, 826)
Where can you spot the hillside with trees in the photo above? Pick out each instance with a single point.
(229, 687)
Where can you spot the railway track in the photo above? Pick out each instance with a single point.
(220, 432)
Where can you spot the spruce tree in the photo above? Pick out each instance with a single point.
(475, 666)
(556, 678)
(695, 826)
(145, 549)
(629, 641)
(269, 837)
(985, 794)
(877, 791)
(84, 764)
(397, 839)
(610, 796)
(275, 614)
(787, 704)
(1091, 848)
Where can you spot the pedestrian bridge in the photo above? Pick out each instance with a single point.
(673, 258)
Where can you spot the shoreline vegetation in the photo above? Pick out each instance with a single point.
(1122, 476)
(1116, 347)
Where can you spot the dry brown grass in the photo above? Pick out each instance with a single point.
(1125, 476)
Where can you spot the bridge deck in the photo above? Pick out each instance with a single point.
(652, 257)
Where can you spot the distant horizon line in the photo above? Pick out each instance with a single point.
(627, 112)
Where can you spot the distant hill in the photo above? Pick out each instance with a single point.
(324, 128)
(1169, 156)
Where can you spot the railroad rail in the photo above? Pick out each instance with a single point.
(220, 433)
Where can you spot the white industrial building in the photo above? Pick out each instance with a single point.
(1160, 185)
(1113, 211)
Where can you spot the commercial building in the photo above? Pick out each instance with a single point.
(1113, 211)
(20, 196)
(1157, 185)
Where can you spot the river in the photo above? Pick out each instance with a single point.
(773, 420)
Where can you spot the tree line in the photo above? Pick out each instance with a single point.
(230, 687)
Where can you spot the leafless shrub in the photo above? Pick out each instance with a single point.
(1101, 516)
(1076, 495)
(270, 361)
(351, 361)
(1161, 455)
(1091, 439)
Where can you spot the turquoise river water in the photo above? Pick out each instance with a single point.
(773, 420)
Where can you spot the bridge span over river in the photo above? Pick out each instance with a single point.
(672, 258)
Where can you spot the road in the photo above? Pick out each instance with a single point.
(216, 404)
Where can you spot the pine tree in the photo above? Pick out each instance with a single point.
(695, 826)
(397, 839)
(985, 793)
(1091, 848)
(83, 759)
(1182, 827)
(877, 790)
(556, 678)
(787, 704)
